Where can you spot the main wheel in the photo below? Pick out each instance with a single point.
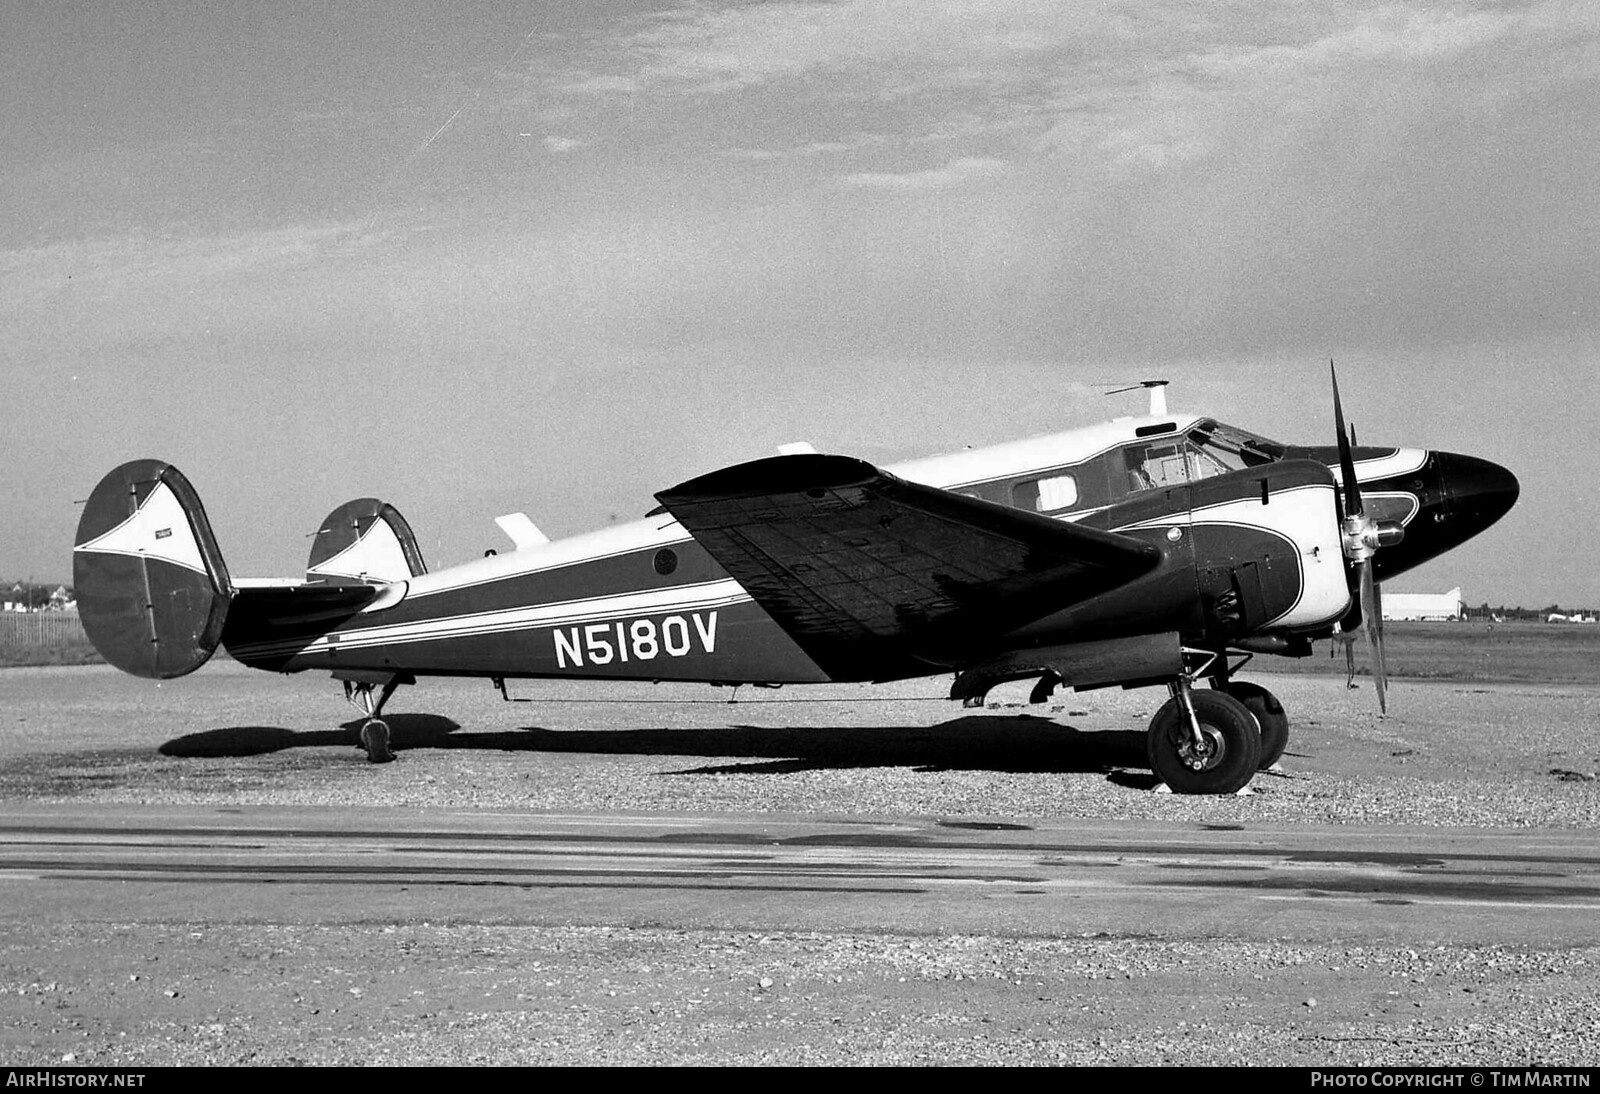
(1223, 763)
(1269, 716)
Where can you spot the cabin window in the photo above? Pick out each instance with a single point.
(1057, 492)
(1046, 495)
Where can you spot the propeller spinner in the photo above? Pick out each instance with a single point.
(1361, 536)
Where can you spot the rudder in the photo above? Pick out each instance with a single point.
(153, 590)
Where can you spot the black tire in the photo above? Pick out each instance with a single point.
(1269, 716)
(375, 739)
(1233, 738)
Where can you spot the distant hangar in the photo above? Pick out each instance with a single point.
(1433, 606)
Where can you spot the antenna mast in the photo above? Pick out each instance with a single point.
(1158, 395)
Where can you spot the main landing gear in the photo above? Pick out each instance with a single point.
(373, 737)
(1213, 742)
(1269, 715)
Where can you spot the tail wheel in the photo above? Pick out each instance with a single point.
(375, 739)
(1223, 761)
(1269, 716)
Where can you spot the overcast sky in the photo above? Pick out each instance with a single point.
(556, 256)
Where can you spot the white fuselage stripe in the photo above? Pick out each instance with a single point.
(1403, 462)
(612, 543)
(679, 598)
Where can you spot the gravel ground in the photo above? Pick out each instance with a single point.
(143, 993)
(192, 994)
(1473, 756)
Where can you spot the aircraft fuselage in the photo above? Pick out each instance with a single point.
(1247, 530)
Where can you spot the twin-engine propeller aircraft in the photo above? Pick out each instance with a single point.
(1146, 551)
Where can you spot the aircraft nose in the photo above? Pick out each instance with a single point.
(1478, 492)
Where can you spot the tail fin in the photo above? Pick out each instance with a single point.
(364, 540)
(152, 588)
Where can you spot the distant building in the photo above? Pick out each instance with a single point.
(1434, 606)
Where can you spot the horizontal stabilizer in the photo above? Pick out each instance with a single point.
(269, 624)
(859, 566)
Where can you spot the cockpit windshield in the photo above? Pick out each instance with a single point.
(1230, 448)
(1208, 448)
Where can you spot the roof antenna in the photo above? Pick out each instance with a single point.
(1158, 395)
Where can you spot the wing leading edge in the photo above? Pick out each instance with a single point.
(875, 577)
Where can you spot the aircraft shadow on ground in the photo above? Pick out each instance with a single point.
(406, 730)
(1015, 744)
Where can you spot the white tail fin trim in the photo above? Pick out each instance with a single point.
(377, 555)
(158, 529)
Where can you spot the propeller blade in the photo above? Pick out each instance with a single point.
(1347, 463)
(1372, 609)
(1362, 536)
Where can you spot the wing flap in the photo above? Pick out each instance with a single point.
(867, 571)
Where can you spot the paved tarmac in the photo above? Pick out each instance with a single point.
(263, 864)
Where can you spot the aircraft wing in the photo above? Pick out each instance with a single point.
(871, 574)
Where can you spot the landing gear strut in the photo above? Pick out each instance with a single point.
(373, 737)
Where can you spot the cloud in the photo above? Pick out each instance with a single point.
(1391, 33)
(34, 276)
(959, 172)
(589, 84)
(558, 144)
(807, 150)
(893, 47)
(721, 50)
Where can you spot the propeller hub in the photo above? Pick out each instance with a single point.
(1359, 534)
(1362, 536)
